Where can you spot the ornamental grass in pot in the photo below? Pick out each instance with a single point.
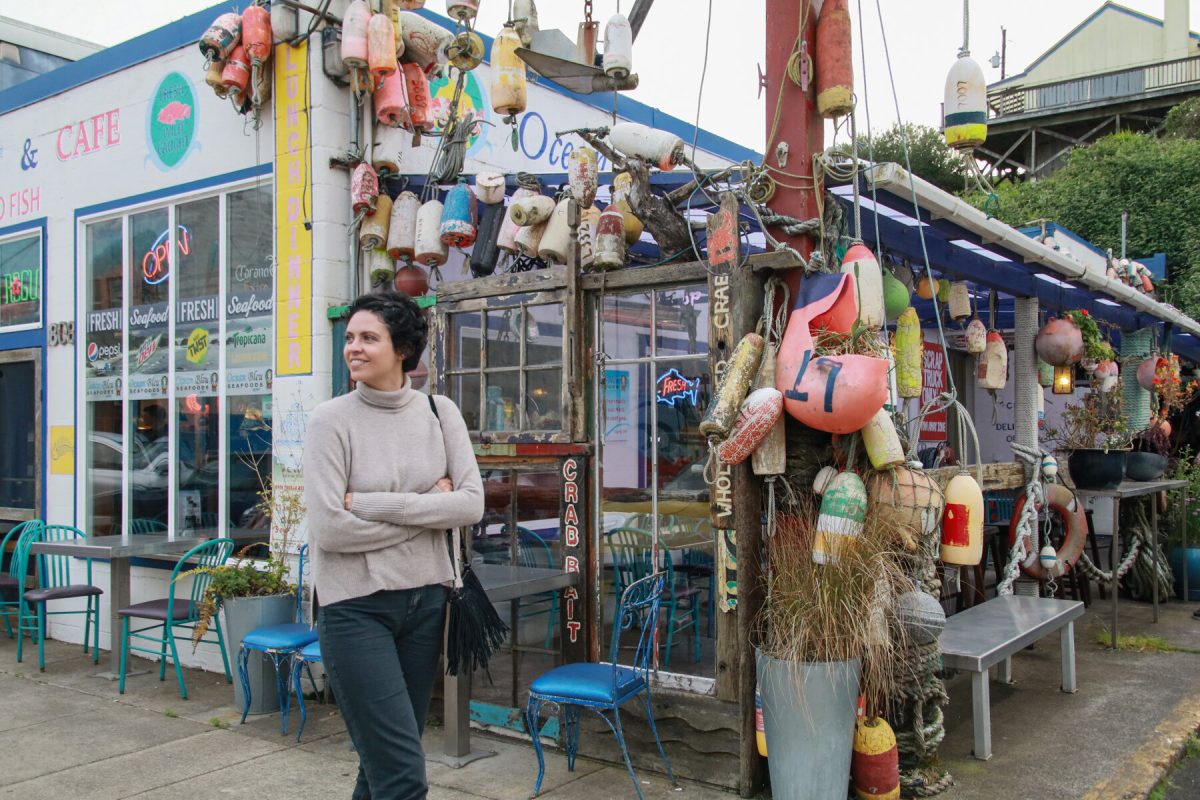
(826, 634)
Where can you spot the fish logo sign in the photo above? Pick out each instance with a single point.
(171, 121)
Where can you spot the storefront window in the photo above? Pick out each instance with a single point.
(654, 512)
(505, 368)
(164, 400)
(21, 281)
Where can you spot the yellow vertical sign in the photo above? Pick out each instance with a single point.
(62, 450)
(293, 204)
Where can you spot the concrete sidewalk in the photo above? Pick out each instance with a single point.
(65, 733)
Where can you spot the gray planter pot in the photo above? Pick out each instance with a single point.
(808, 714)
(239, 616)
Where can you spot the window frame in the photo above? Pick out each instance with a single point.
(30, 231)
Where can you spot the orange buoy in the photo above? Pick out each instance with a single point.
(236, 75)
(256, 34)
(381, 45)
(389, 100)
(834, 60)
(416, 95)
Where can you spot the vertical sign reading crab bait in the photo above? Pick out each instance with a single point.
(293, 201)
(722, 256)
(574, 633)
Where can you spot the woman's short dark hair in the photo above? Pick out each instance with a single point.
(404, 320)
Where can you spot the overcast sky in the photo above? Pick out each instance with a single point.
(923, 37)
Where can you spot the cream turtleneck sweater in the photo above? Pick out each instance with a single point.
(388, 450)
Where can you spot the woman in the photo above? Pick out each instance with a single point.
(384, 478)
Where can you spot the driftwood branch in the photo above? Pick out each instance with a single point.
(677, 196)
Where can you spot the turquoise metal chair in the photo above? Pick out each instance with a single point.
(303, 660)
(279, 643)
(631, 549)
(175, 612)
(604, 688)
(11, 588)
(140, 525)
(533, 551)
(54, 582)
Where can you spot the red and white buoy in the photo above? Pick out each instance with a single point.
(662, 149)
(834, 60)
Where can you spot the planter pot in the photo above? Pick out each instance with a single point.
(1145, 466)
(240, 616)
(1178, 558)
(1096, 469)
(808, 713)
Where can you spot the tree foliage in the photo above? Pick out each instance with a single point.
(1156, 180)
(1183, 121)
(929, 155)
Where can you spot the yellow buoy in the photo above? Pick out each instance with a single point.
(875, 765)
(962, 522)
(909, 346)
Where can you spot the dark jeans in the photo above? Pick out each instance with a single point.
(381, 653)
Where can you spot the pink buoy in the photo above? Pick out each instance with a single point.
(381, 46)
(364, 188)
(355, 50)
(389, 100)
(256, 34)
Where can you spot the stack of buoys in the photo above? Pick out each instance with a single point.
(506, 240)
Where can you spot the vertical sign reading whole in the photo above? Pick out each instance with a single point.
(293, 196)
(574, 470)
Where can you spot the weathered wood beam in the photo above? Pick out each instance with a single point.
(1004, 475)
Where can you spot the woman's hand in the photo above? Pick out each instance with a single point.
(349, 501)
(443, 484)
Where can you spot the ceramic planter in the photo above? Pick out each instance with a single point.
(1145, 466)
(1148, 370)
(1059, 343)
(1188, 559)
(1097, 469)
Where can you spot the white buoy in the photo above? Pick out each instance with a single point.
(402, 230)
(531, 210)
(529, 238)
(618, 47)
(507, 239)
(557, 237)
(965, 105)
(430, 250)
(489, 187)
(664, 150)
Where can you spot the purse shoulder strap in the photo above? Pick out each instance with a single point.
(452, 543)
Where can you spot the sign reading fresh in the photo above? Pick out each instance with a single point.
(171, 120)
(674, 388)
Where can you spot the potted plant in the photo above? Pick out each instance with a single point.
(1096, 439)
(250, 593)
(1148, 459)
(826, 634)
(1187, 468)
(1095, 348)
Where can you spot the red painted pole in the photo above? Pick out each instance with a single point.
(792, 118)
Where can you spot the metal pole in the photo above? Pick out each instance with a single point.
(1124, 229)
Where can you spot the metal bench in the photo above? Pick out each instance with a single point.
(988, 634)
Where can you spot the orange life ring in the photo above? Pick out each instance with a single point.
(1062, 501)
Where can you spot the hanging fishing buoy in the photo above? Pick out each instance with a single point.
(1059, 342)
(525, 20)
(485, 253)
(462, 10)
(409, 5)
(927, 287)
(489, 187)
(660, 148)
(965, 106)
(834, 60)
(860, 263)
(418, 114)
(509, 91)
(389, 99)
(909, 347)
(618, 47)
(381, 46)
(583, 174)
(976, 336)
(506, 240)
(465, 51)
(960, 300)
(921, 615)
(908, 501)
(373, 233)
(993, 364)
(770, 457)
(458, 216)
(840, 521)
(1045, 374)
(212, 76)
(557, 237)
(588, 218)
(430, 249)
(222, 36)
(1107, 374)
(529, 238)
(621, 186)
(423, 39)
(411, 280)
(402, 228)
(1048, 558)
(364, 188)
(895, 296)
(962, 522)
(236, 75)
(882, 441)
(875, 765)
(610, 240)
(388, 149)
(1049, 467)
(823, 479)
(355, 49)
(256, 34)
(756, 416)
(732, 387)
(531, 210)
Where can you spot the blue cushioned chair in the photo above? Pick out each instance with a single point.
(279, 643)
(604, 688)
(11, 589)
(175, 612)
(304, 659)
(54, 583)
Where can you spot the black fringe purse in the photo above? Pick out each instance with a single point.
(475, 630)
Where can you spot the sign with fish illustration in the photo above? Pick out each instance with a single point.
(171, 121)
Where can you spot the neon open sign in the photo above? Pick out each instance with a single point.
(20, 286)
(674, 388)
(156, 263)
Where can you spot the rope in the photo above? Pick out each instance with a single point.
(1027, 523)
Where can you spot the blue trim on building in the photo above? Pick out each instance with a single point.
(171, 191)
(188, 30)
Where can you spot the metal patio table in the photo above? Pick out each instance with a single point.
(119, 551)
(501, 583)
(1126, 490)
